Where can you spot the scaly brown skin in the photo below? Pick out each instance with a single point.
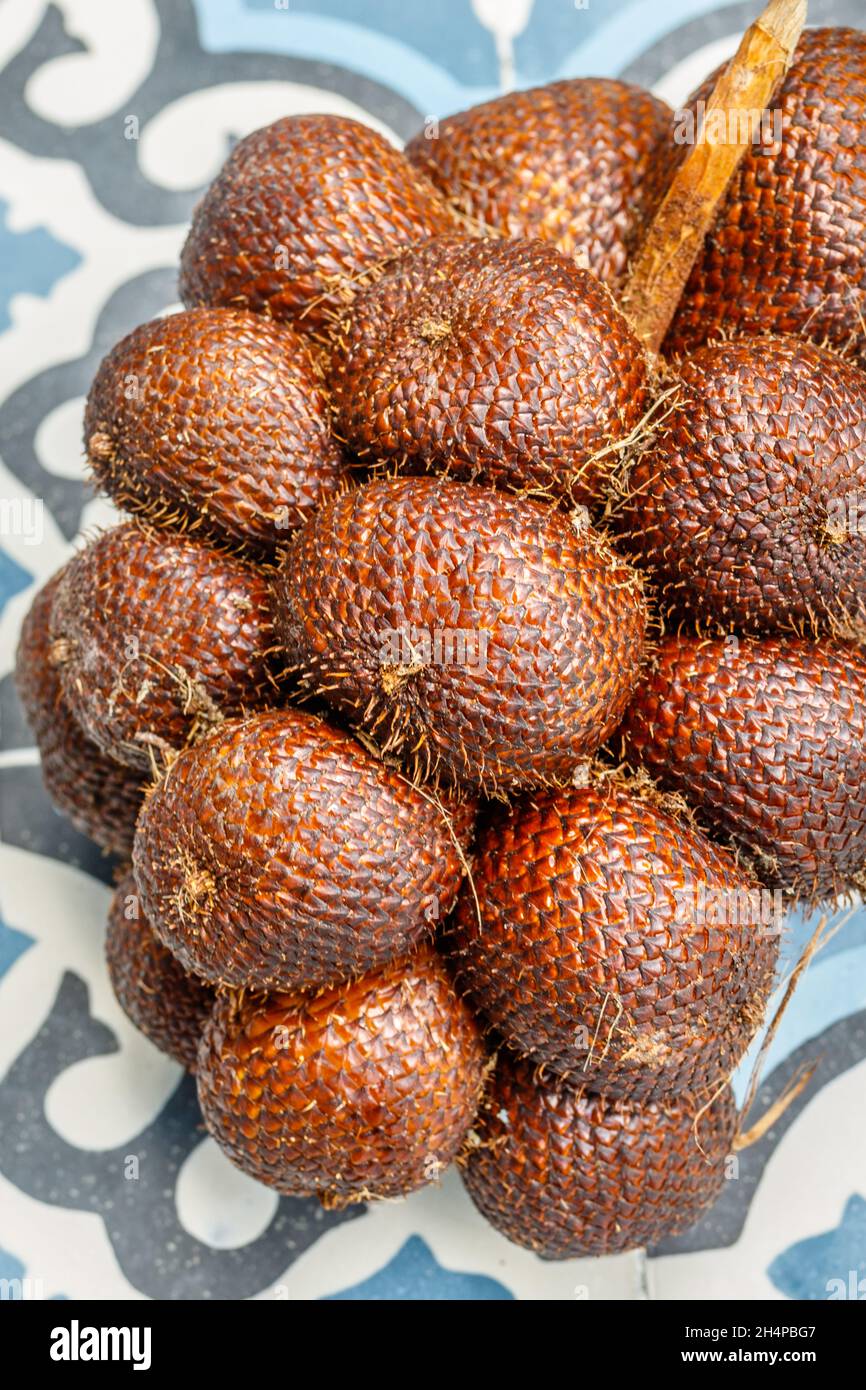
(766, 738)
(165, 1003)
(607, 939)
(156, 638)
(277, 853)
(485, 637)
(300, 210)
(785, 254)
(580, 163)
(214, 421)
(99, 797)
(498, 361)
(568, 1174)
(747, 503)
(367, 1090)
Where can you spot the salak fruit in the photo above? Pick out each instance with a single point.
(785, 254)
(606, 938)
(165, 1003)
(277, 853)
(567, 1174)
(214, 421)
(749, 504)
(495, 361)
(366, 1090)
(99, 796)
(156, 638)
(301, 209)
(766, 738)
(581, 163)
(490, 638)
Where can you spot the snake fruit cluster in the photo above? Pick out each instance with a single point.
(560, 554)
